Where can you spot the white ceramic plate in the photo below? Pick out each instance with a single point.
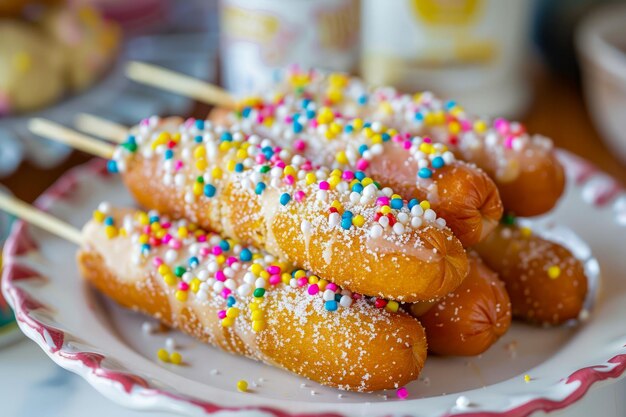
(105, 344)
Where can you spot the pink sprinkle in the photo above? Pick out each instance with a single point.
(397, 138)
(183, 286)
(428, 140)
(356, 296)
(402, 393)
(259, 118)
(314, 123)
(157, 262)
(201, 238)
(166, 239)
(175, 244)
(299, 145)
(281, 164)
(145, 122)
(407, 144)
(190, 122)
(347, 175)
(508, 142)
(288, 119)
(153, 241)
(289, 180)
(302, 281)
(219, 275)
(501, 125)
(306, 166)
(273, 269)
(166, 225)
(231, 260)
(324, 185)
(275, 279)
(466, 125)
(362, 164)
(178, 165)
(313, 289)
(204, 251)
(382, 201)
(146, 229)
(217, 250)
(331, 286)
(225, 293)
(260, 158)
(221, 314)
(299, 196)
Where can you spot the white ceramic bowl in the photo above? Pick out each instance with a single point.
(601, 42)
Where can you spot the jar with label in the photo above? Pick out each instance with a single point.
(260, 37)
(472, 51)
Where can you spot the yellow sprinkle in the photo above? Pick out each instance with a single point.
(143, 218)
(256, 269)
(268, 121)
(368, 132)
(526, 231)
(426, 148)
(242, 153)
(392, 306)
(322, 283)
(201, 164)
(336, 204)
(176, 358)
(181, 296)
(386, 108)
(358, 220)
(170, 279)
(163, 355)
(325, 116)
(313, 279)
(242, 385)
(395, 196)
(392, 132)
(554, 272)
(99, 216)
(232, 312)
(417, 97)
(258, 326)
(227, 322)
(454, 127)
(285, 278)
(440, 117)
(110, 231)
(335, 128)
(338, 80)
(216, 173)
(176, 137)
(253, 306)
(377, 138)
(329, 134)
(333, 181)
(183, 232)
(357, 124)
(527, 378)
(164, 137)
(366, 181)
(425, 204)
(199, 152)
(334, 95)
(220, 259)
(299, 274)
(230, 166)
(160, 234)
(144, 238)
(164, 269)
(310, 178)
(224, 146)
(194, 285)
(122, 232)
(256, 256)
(197, 188)
(265, 275)
(257, 315)
(385, 209)
(289, 170)
(155, 226)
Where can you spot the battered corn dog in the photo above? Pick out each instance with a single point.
(245, 302)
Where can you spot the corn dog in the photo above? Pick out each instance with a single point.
(340, 224)
(247, 303)
(546, 283)
(471, 318)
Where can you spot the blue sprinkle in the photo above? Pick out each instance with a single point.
(348, 129)
(438, 162)
(310, 114)
(284, 199)
(109, 221)
(330, 305)
(362, 149)
(224, 245)
(357, 187)
(359, 175)
(239, 167)
(413, 202)
(396, 203)
(362, 100)
(246, 111)
(154, 219)
(338, 297)
(368, 124)
(245, 255)
(425, 173)
(385, 137)
(346, 215)
(131, 139)
(297, 127)
(419, 116)
(112, 167)
(346, 222)
(209, 190)
(450, 104)
(169, 154)
(193, 262)
(200, 124)
(226, 137)
(230, 301)
(145, 248)
(305, 102)
(259, 188)
(198, 139)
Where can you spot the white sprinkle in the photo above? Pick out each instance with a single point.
(214, 372)
(430, 215)
(329, 295)
(384, 221)
(104, 207)
(376, 230)
(313, 392)
(416, 222)
(398, 228)
(345, 301)
(244, 290)
(170, 344)
(440, 223)
(260, 283)
(170, 256)
(305, 226)
(147, 327)
(462, 402)
(334, 219)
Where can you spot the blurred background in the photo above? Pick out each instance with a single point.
(559, 66)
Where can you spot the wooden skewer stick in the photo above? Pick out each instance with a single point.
(39, 218)
(178, 83)
(60, 133)
(100, 127)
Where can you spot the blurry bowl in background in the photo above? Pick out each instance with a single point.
(601, 42)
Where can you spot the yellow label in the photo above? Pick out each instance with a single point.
(338, 28)
(249, 24)
(446, 12)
